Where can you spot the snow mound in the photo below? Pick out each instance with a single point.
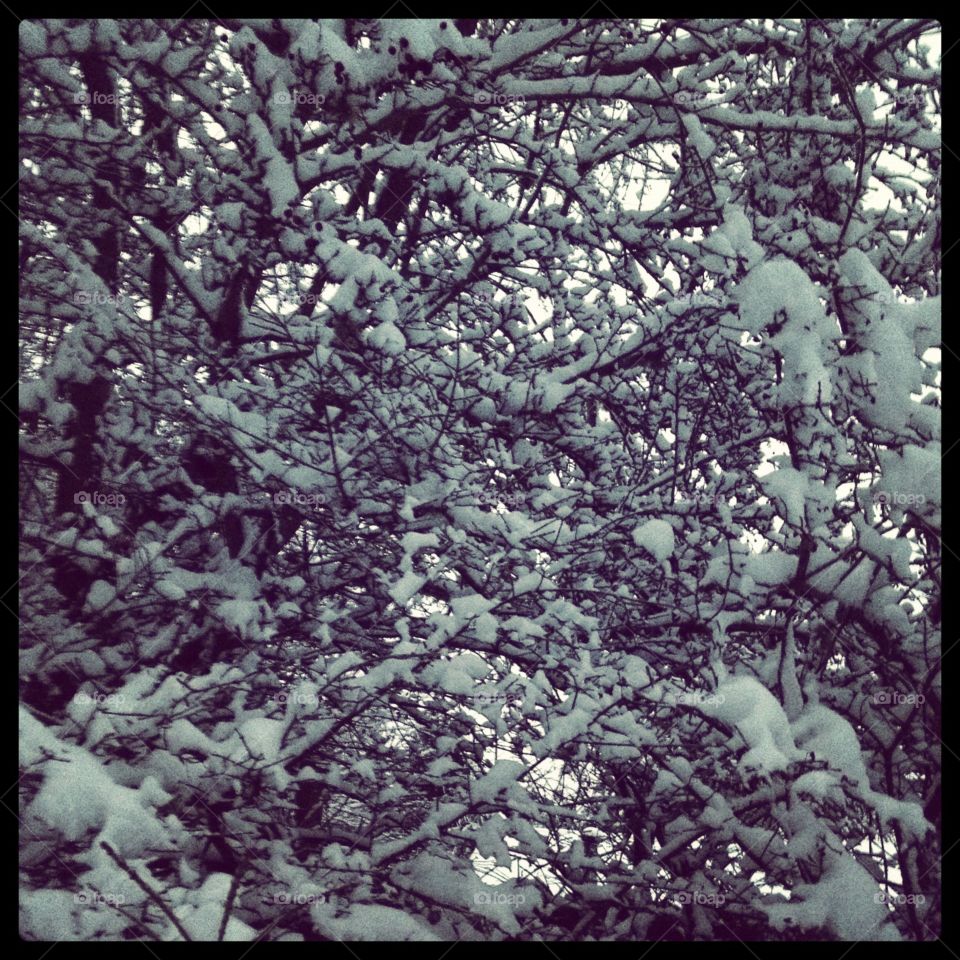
(655, 536)
(747, 705)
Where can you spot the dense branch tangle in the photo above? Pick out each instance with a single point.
(400, 333)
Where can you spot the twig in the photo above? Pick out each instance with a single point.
(228, 906)
(148, 890)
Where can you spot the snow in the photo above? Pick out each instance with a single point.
(829, 737)
(441, 881)
(737, 232)
(262, 737)
(789, 487)
(911, 480)
(33, 38)
(203, 923)
(923, 319)
(101, 595)
(823, 733)
(819, 784)
(406, 587)
(778, 291)
(887, 357)
(531, 581)
(702, 142)
(368, 921)
(554, 393)
(636, 357)
(79, 795)
(743, 702)
(242, 615)
(511, 48)
(170, 590)
(472, 605)
(845, 900)
(459, 675)
(388, 338)
(49, 914)
(279, 179)
(866, 104)
(412, 541)
(655, 536)
(770, 568)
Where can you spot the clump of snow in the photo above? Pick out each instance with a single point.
(367, 921)
(866, 104)
(554, 393)
(200, 912)
(442, 881)
(408, 585)
(795, 490)
(770, 568)
(388, 338)
(825, 734)
(101, 595)
(829, 737)
(279, 178)
(745, 703)
(887, 358)
(458, 675)
(79, 796)
(33, 38)
(261, 737)
(655, 536)
(702, 142)
(923, 320)
(845, 901)
(910, 480)
(777, 298)
(49, 914)
(731, 244)
(242, 615)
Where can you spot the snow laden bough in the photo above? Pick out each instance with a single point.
(819, 733)
(845, 900)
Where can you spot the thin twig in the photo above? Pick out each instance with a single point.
(228, 906)
(146, 888)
